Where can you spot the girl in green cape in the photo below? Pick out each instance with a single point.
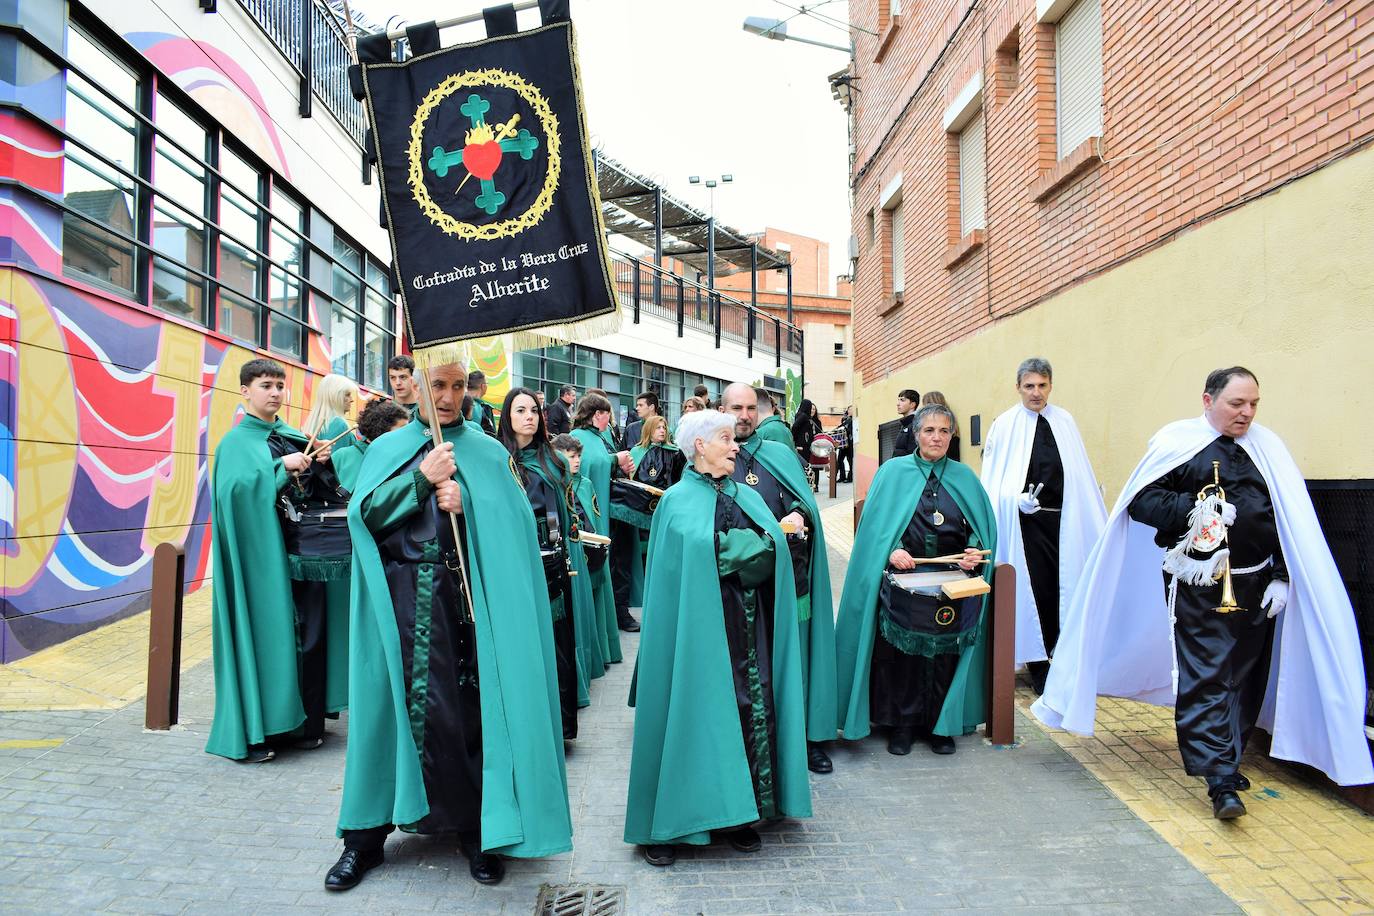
(599, 460)
(720, 716)
(891, 673)
(592, 648)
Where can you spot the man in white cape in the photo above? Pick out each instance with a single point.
(1121, 638)
(1049, 510)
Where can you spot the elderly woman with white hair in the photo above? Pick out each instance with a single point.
(719, 739)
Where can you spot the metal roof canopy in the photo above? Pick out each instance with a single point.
(628, 204)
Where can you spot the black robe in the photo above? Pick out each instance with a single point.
(544, 501)
(745, 564)
(438, 645)
(1223, 659)
(752, 473)
(908, 691)
(1040, 531)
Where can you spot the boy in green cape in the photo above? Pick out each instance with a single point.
(916, 676)
(772, 471)
(720, 719)
(255, 627)
(454, 725)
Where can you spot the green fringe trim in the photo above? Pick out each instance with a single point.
(803, 608)
(419, 661)
(758, 714)
(319, 569)
(630, 516)
(910, 642)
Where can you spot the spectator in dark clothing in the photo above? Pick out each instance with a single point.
(560, 411)
(908, 399)
(805, 427)
(646, 406)
(938, 397)
(844, 462)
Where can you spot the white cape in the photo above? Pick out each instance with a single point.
(1006, 456)
(1118, 639)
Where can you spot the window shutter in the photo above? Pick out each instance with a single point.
(1078, 75)
(972, 177)
(898, 251)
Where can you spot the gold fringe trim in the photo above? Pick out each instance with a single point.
(573, 332)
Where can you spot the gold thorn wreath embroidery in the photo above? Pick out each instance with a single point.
(415, 153)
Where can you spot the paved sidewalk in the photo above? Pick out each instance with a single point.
(98, 816)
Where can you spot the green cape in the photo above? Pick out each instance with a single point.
(775, 429)
(257, 688)
(584, 605)
(603, 642)
(347, 463)
(891, 500)
(596, 470)
(524, 785)
(817, 618)
(688, 770)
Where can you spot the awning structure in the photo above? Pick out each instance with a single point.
(638, 208)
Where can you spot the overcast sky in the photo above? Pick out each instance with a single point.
(676, 88)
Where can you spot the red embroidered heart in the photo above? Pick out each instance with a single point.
(481, 159)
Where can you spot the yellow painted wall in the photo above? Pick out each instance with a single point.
(1283, 286)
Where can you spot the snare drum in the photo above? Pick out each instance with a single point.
(918, 618)
(633, 502)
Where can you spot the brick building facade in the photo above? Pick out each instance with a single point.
(1052, 177)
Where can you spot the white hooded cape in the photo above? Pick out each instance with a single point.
(1118, 638)
(1006, 456)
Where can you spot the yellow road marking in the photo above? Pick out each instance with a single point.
(30, 744)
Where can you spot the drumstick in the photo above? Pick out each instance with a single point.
(951, 558)
(318, 447)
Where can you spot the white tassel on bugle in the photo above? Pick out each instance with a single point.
(1192, 570)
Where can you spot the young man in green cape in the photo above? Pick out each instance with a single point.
(259, 644)
(914, 676)
(772, 427)
(454, 724)
(483, 413)
(720, 716)
(772, 471)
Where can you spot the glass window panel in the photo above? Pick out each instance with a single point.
(610, 383)
(284, 336)
(102, 67)
(379, 276)
(585, 377)
(287, 210)
(347, 255)
(346, 287)
(238, 317)
(343, 341)
(88, 249)
(245, 179)
(527, 369)
(610, 361)
(284, 293)
(176, 174)
(178, 292)
(557, 372)
(563, 353)
(374, 356)
(378, 307)
(587, 357)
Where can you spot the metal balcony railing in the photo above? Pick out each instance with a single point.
(312, 40)
(644, 288)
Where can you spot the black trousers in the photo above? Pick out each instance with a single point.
(1040, 534)
(1223, 669)
(624, 554)
(312, 615)
(844, 467)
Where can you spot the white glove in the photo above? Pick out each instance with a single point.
(1029, 501)
(1275, 597)
(1228, 513)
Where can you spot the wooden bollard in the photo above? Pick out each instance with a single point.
(164, 636)
(1001, 724)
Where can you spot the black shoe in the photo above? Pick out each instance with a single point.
(745, 839)
(308, 744)
(659, 856)
(628, 624)
(941, 744)
(1039, 673)
(260, 753)
(349, 870)
(817, 760)
(1242, 784)
(1226, 805)
(899, 742)
(485, 867)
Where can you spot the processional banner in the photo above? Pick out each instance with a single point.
(488, 183)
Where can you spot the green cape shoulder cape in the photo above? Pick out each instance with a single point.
(775, 429)
(887, 511)
(524, 785)
(257, 690)
(583, 604)
(347, 463)
(606, 629)
(688, 769)
(817, 616)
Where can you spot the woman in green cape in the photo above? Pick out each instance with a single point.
(658, 462)
(545, 479)
(590, 561)
(720, 716)
(590, 418)
(892, 673)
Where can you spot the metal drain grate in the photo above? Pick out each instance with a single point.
(580, 900)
